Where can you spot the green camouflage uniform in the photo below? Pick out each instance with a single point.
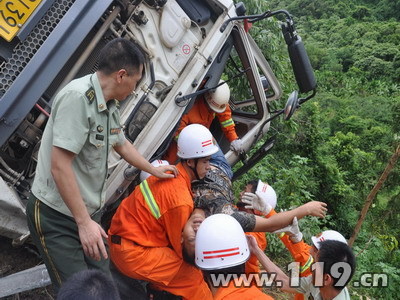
(214, 195)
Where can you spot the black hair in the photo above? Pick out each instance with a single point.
(332, 252)
(226, 272)
(120, 54)
(253, 189)
(88, 285)
(188, 258)
(253, 184)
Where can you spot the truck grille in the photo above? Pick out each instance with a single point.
(24, 51)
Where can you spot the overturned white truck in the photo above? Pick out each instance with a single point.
(190, 46)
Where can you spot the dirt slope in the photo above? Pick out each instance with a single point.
(15, 259)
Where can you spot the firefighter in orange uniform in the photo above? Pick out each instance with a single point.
(205, 109)
(145, 232)
(221, 249)
(292, 238)
(252, 265)
(301, 253)
(262, 199)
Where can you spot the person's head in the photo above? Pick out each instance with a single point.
(326, 235)
(122, 61)
(88, 285)
(189, 234)
(221, 246)
(338, 264)
(250, 187)
(195, 147)
(156, 163)
(218, 99)
(264, 190)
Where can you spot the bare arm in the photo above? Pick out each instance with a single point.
(90, 233)
(268, 265)
(280, 220)
(133, 157)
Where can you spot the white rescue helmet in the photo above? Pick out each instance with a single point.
(266, 193)
(327, 235)
(196, 141)
(156, 163)
(218, 100)
(220, 243)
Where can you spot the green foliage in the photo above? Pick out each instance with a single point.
(337, 145)
(373, 257)
(374, 66)
(396, 116)
(276, 250)
(389, 242)
(361, 12)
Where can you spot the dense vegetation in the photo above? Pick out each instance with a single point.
(337, 145)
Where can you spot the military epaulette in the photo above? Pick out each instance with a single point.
(90, 95)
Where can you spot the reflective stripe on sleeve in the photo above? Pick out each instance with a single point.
(227, 123)
(306, 265)
(151, 202)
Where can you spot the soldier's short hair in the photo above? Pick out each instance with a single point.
(89, 285)
(120, 54)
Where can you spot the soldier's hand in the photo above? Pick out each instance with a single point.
(169, 171)
(91, 235)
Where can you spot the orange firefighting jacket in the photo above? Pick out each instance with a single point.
(252, 264)
(200, 113)
(300, 252)
(155, 213)
(148, 225)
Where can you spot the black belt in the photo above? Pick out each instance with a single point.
(116, 239)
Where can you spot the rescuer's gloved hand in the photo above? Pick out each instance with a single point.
(237, 146)
(254, 201)
(295, 234)
(292, 230)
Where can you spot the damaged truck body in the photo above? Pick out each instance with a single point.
(189, 45)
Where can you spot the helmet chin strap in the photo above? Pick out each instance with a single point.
(208, 105)
(196, 160)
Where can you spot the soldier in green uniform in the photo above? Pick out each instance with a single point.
(69, 189)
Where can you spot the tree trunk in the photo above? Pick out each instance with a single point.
(373, 193)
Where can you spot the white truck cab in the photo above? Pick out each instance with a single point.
(190, 46)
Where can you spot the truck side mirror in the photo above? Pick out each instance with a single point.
(299, 59)
(291, 105)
